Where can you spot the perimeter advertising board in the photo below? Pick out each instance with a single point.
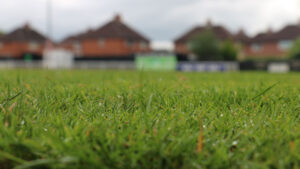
(157, 63)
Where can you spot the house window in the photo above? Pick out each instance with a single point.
(129, 43)
(189, 45)
(76, 45)
(143, 45)
(33, 46)
(285, 44)
(101, 42)
(256, 47)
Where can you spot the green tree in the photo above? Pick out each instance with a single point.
(295, 50)
(1, 33)
(205, 46)
(228, 51)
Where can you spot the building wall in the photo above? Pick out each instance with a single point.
(269, 50)
(107, 47)
(17, 49)
(181, 48)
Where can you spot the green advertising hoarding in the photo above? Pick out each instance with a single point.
(160, 63)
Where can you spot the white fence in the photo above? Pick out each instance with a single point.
(130, 65)
(8, 64)
(278, 67)
(104, 65)
(58, 59)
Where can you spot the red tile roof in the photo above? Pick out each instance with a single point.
(76, 37)
(23, 34)
(219, 31)
(241, 36)
(113, 29)
(290, 32)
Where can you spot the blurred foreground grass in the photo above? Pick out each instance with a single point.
(115, 119)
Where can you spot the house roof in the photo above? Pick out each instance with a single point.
(263, 37)
(219, 31)
(23, 34)
(290, 32)
(113, 29)
(77, 37)
(241, 36)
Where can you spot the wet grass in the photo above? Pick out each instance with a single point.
(114, 119)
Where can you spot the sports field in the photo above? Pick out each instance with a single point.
(125, 119)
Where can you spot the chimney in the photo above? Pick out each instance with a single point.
(208, 23)
(90, 30)
(27, 25)
(118, 18)
(241, 32)
(269, 30)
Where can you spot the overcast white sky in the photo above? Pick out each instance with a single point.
(159, 20)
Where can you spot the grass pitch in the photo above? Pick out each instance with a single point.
(114, 119)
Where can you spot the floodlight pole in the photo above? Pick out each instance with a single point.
(49, 17)
(49, 23)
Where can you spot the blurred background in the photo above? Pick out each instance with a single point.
(191, 35)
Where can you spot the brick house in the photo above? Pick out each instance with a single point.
(272, 45)
(114, 40)
(181, 43)
(22, 41)
(241, 39)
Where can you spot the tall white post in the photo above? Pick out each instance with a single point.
(49, 18)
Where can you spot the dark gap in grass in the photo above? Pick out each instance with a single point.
(265, 91)
(8, 99)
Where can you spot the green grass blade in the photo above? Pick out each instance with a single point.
(265, 91)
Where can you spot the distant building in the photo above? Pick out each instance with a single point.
(272, 45)
(267, 45)
(21, 42)
(114, 40)
(241, 39)
(181, 44)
